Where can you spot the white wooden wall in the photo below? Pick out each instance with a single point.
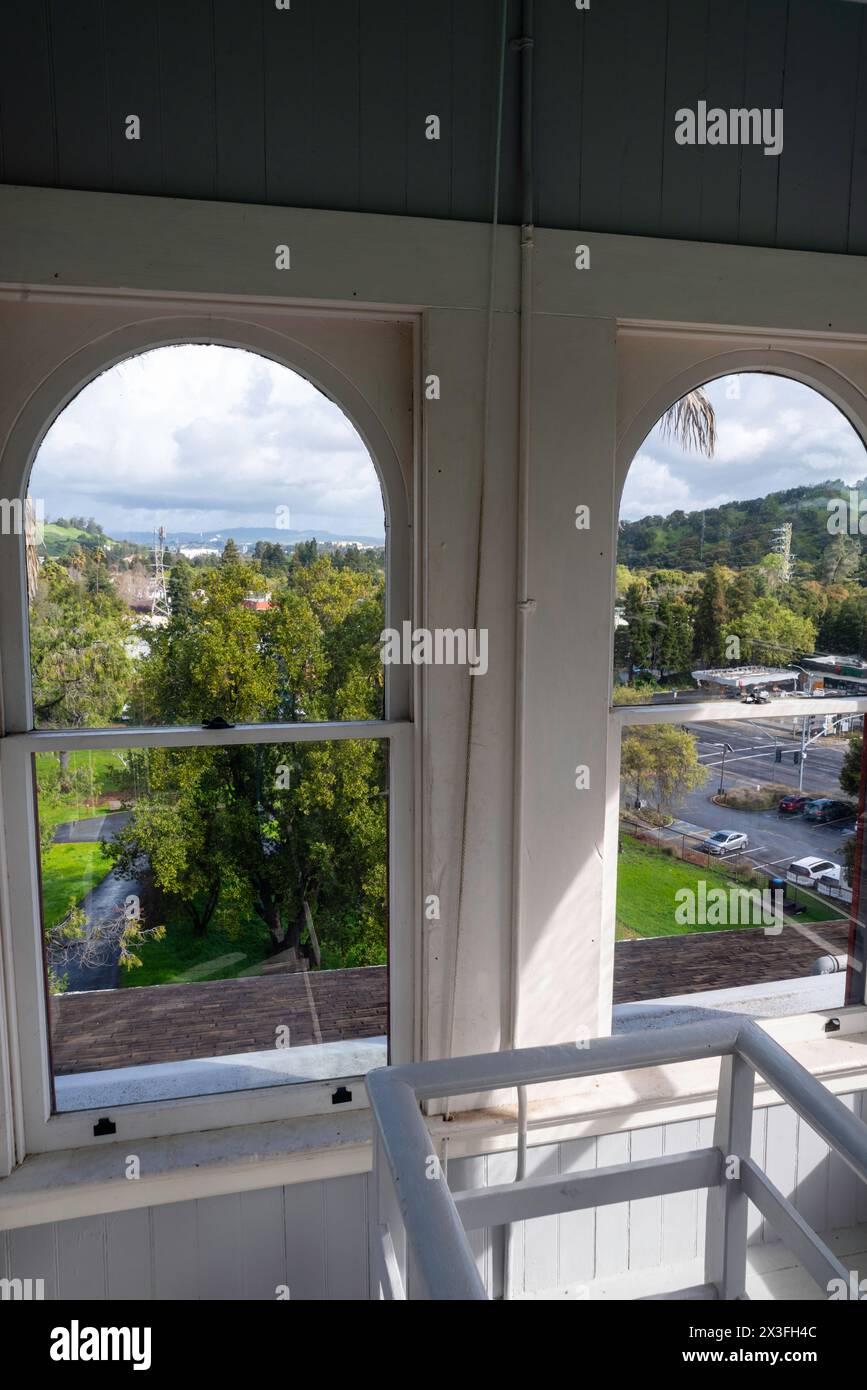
(313, 1237)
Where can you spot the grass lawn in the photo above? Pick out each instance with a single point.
(182, 957)
(647, 881)
(69, 871)
(108, 778)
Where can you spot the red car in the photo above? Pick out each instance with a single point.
(791, 805)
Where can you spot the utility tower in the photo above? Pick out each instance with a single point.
(782, 545)
(160, 604)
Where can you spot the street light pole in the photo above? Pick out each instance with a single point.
(726, 748)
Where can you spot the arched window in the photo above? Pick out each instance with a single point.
(204, 544)
(739, 689)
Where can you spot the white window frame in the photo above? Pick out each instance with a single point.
(694, 712)
(25, 1064)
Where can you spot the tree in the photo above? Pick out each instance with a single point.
(81, 672)
(661, 761)
(771, 633)
(262, 827)
(636, 613)
(841, 559)
(231, 554)
(850, 772)
(692, 422)
(711, 619)
(675, 636)
(180, 589)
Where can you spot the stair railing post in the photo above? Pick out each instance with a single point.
(727, 1204)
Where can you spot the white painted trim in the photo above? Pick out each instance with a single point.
(283, 341)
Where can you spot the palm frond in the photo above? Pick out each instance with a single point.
(692, 422)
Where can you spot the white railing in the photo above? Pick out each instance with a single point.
(421, 1246)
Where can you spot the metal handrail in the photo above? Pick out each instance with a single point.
(423, 1247)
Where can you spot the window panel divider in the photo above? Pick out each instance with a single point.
(723, 711)
(191, 736)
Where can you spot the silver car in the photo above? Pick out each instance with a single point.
(724, 842)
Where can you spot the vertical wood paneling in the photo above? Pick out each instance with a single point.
(842, 1182)
(680, 1209)
(80, 94)
(27, 136)
(858, 196)
(429, 93)
(721, 172)
(758, 1150)
(540, 1238)
(612, 1223)
(81, 1259)
(382, 106)
(128, 1255)
(133, 89)
(32, 1254)
(188, 122)
(220, 1242)
(623, 119)
(686, 84)
(577, 1228)
(263, 1243)
(464, 1175)
(645, 1216)
(811, 1178)
(239, 88)
(475, 59)
(346, 1264)
(290, 81)
(781, 1155)
(816, 164)
(558, 98)
(336, 104)
(175, 1237)
(764, 64)
(304, 1212)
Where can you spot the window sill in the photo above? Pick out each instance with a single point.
(208, 1076)
(87, 1182)
(84, 1182)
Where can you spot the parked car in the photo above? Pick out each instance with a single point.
(792, 804)
(826, 811)
(811, 868)
(724, 842)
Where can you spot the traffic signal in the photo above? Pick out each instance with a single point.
(778, 755)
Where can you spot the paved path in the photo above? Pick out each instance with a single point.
(91, 830)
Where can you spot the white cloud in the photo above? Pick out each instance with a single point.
(774, 435)
(206, 438)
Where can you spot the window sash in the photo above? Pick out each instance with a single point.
(693, 712)
(21, 915)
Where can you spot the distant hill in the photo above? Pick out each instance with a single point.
(249, 535)
(737, 533)
(60, 540)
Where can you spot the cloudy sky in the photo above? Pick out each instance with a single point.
(204, 439)
(772, 434)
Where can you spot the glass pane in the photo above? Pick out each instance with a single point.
(205, 540)
(736, 862)
(740, 573)
(222, 903)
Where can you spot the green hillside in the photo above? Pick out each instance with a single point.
(737, 534)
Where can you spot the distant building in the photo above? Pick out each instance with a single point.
(735, 680)
(258, 602)
(844, 675)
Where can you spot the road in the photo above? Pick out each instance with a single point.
(100, 904)
(774, 839)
